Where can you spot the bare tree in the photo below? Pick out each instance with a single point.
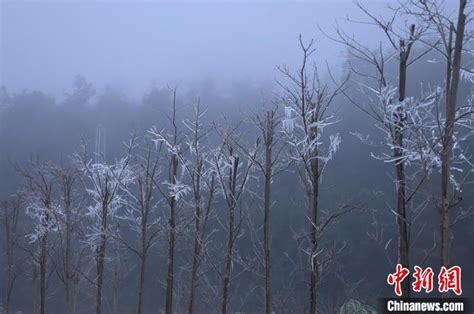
(452, 38)
(266, 156)
(393, 116)
(42, 208)
(267, 127)
(68, 217)
(103, 183)
(139, 214)
(307, 102)
(172, 197)
(202, 183)
(232, 173)
(10, 213)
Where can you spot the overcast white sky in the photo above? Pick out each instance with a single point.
(44, 44)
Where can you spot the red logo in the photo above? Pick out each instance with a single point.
(450, 279)
(423, 279)
(397, 278)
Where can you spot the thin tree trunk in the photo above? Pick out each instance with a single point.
(197, 243)
(34, 286)
(100, 261)
(142, 284)
(314, 203)
(100, 274)
(172, 221)
(197, 252)
(172, 239)
(451, 100)
(9, 266)
(67, 270)
(266, 208)
(10, 218)
(43, 260)
(68, 298)
(228, 262)
(403, 237)
(142, 268)
(403, 241)
(170, 274)
(230, 239)
(266, 242)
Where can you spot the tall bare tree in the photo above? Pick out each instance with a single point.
(232, 174)
(67, 262)
(202, 184)
(266, 156)
(452, 37)
(175, 191)
(268, 126)
(9, 214)
(140, 212)
(394, 117)
(307, 100)
(103, 183)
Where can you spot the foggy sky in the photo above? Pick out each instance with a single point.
(44, 44)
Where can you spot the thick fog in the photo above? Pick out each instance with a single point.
(234, 156)
(129, 44)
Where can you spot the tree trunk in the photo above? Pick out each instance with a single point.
(228, 262)
(8, 272)
(403, 240)
(230, 239)
(9, 244)
(67, 264)
(142, 264)
(100, 273)
(314, 206)
(43, 264)
(101, 258)
(197, 252)
(171, 242)
(34, 286)
(202, 215)
(43, 259)
(142, 284)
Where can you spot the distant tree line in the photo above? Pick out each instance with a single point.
(187, 202)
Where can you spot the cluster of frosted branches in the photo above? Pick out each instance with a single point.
(305, 138)
(40, 204)
(177, 189)
(161, 137)
(412, 118)
(139, 209)
(303, 125)
(105, 182)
